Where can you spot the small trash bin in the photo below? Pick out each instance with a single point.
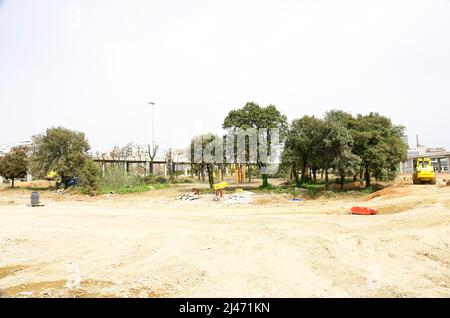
(34, 198)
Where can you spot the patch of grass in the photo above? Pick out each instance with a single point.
(269, 189)
(31, 188)
(134, 188)
(158, 186)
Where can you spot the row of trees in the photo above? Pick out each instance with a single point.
(250, 116)
(60, 150)
(363, 146)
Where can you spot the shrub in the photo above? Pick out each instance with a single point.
(116, 179)
(180, 180)
(89, 177)
(161, 179)
(150, 179)
(186, 180)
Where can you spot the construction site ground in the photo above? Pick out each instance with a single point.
(152, 245)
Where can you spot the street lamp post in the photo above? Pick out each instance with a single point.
(150, 148)
(152, 104)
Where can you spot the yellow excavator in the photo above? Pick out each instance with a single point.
(423, 171)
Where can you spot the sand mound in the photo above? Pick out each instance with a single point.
(389, 192)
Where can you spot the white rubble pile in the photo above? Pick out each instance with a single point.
(189, 197)
(243, 197)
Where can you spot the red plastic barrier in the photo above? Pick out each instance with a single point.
(363, 210)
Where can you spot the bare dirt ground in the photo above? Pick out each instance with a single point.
(151, 245)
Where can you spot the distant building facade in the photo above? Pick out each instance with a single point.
(440, 159)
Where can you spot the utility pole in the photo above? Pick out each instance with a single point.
(152, 105)
(152, 149)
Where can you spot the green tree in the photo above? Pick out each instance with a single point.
(65, 152)
(89, 175)
(254, 116)
(203, 165)
(334, 149)
(14, 165)
(379, 144)
(302, 141)
(345, 163)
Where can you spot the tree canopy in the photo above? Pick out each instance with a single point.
(64, 151)
(368, 144)
(14, 165)
(203, 163)
(254, 116)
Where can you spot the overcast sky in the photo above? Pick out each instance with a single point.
(93, 65)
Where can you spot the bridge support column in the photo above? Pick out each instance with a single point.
(1, 180)
(448, 164)
(165, 169)
(103, 165)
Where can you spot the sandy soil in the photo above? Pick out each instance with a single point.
(151, 245)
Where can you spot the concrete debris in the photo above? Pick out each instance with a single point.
(188, 197)
(241, 197)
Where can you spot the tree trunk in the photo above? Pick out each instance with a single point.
(249, 173)
(304, 168)
(223, 170)
(315, 175)
(265, 183)
(342, 181)
(295, 172)
(151, 166)
(367, 177)
(210, 176)
(327, 186)
(63, 181)
(12, 182)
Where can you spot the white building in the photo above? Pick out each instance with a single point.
(440, 159)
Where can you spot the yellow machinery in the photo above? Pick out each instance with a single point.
(423, 171)
(52, 175)
(220, 186)
(218, 190)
